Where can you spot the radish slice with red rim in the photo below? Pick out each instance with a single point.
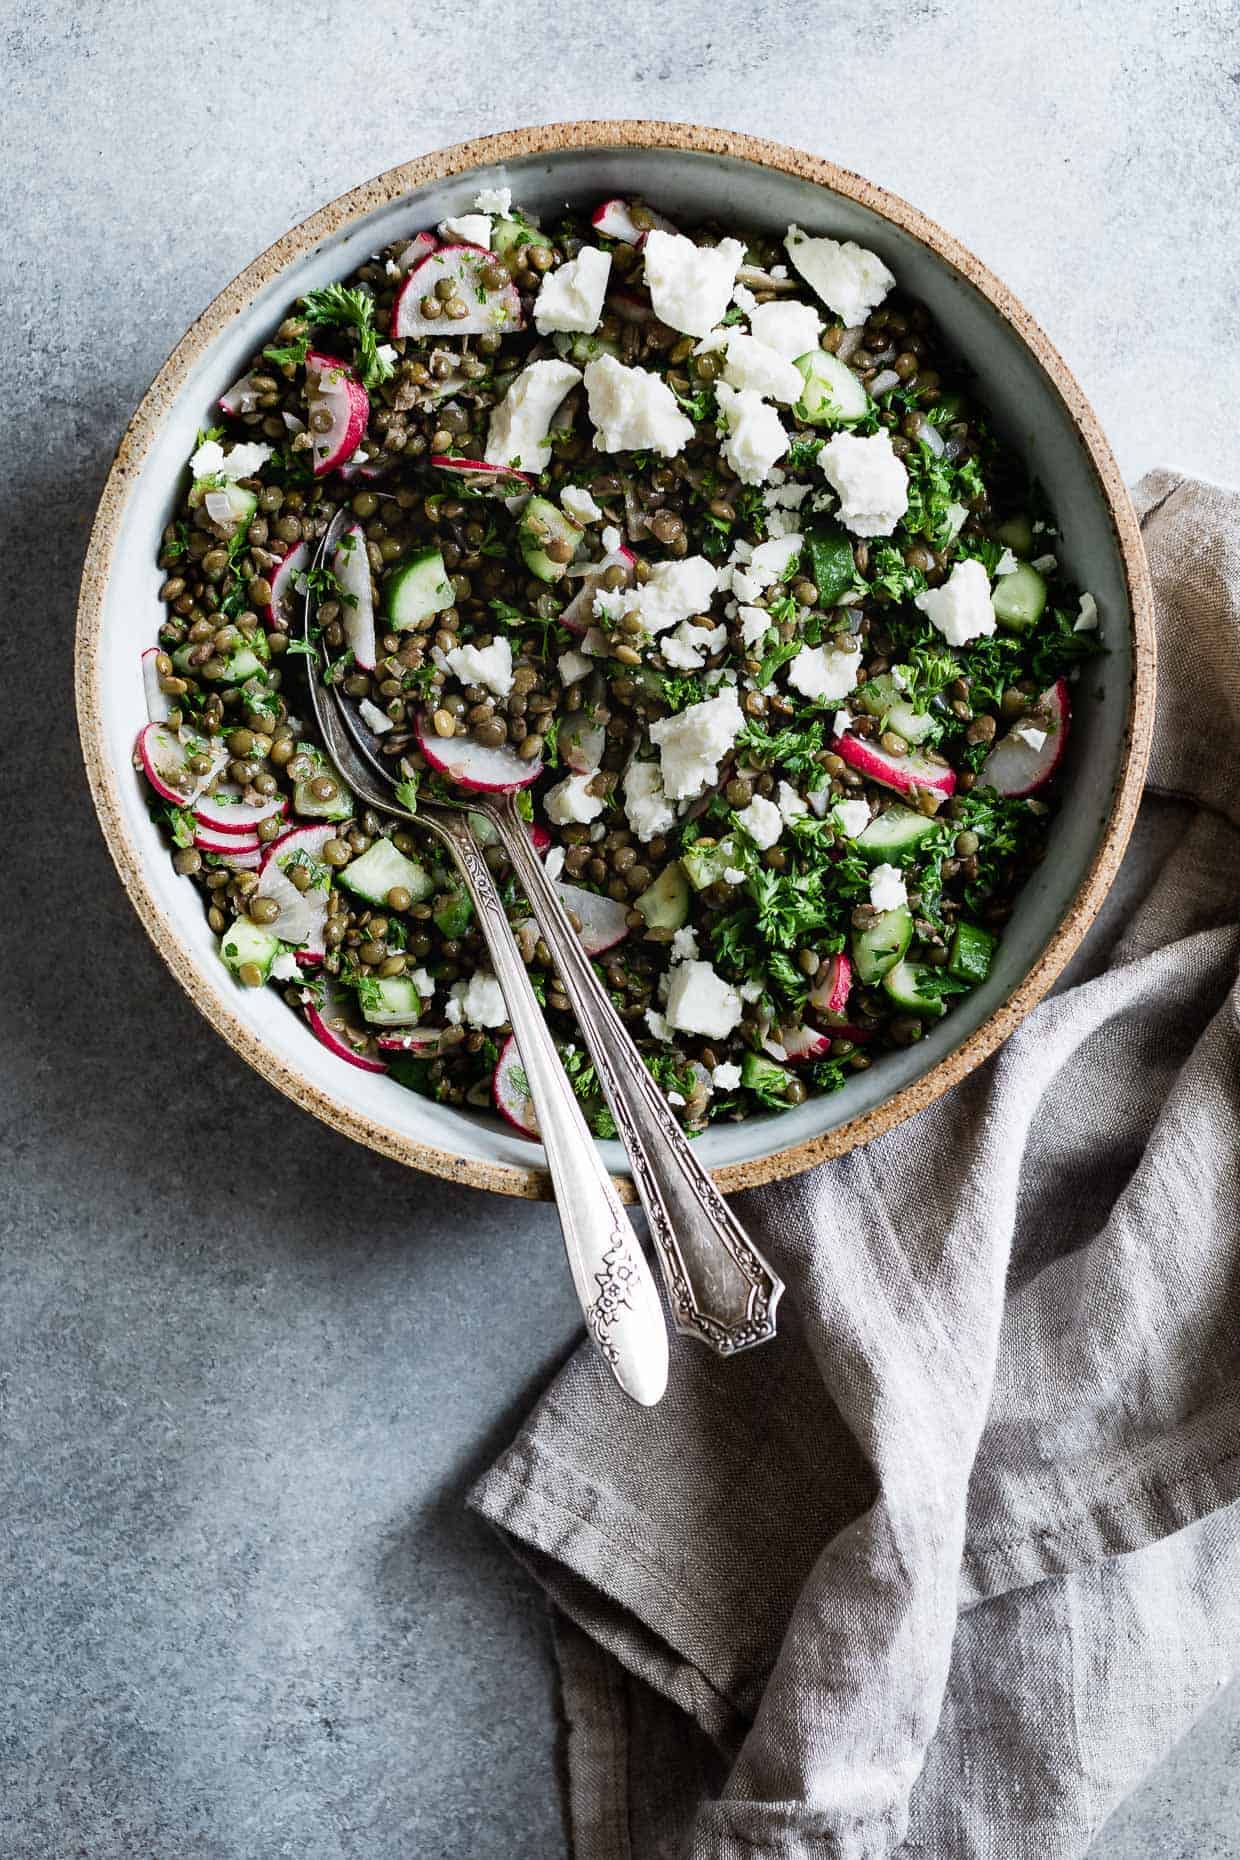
(471, 765)
(614, 219)
(303, 914)
(158, 703)
(206, 839)
(351, 567)
(489, 310)
(419, 247)
(165, 755)
(421, 1042)
(829, 995)
(328, 1011)
(604, 921)
(578, 616)
(225, 810)
(489, 480)
(331, 385)
(241, 397)
(903, 773)
(510, 1092)
(283, 611)
(1025, 759)
(800, 1044)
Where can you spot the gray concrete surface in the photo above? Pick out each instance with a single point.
(247, 1370)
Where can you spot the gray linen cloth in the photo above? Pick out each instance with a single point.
(946, 1569)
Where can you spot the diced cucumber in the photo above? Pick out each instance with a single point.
(419, 587)
(830, 560)
(972, 952)
(338, 806)
(882, 697)
(897, 831)
(707, 860)
(453, 913)
(510, 232)
(389, 1001)
(543, 522)
(246, 660)
(380, 869)
(882, 943)
(582, 348)
(832, 395)
(1018, 598)
(908, 986)
(665, 904)
(244, 942)
(241, 503)
(763, 1075)
(1017, 533)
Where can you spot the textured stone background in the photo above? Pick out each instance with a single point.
(242, 1613)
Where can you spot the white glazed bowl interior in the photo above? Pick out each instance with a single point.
(690, 186)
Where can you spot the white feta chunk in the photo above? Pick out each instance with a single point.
(690, 285)
(755, 434)
(494, 200)
(726, 1077)
(772, 560)
(686, 648)
(520, 424)
(611, 538)
(824, 674)
(645, 803)
(755, 624)
(887, 888)
(490, 666)
(568, 803)
(850, 280)
(1087, 615)
(577, 503)
(750, 364)
(285, 968)
(571, 297)
(673, 592)
(790, 329)
(1007, 564)
(871, 482)
(699, 1001)
(851, 817)
(424, 983)
(692, 743)
(634, 410)
(657, 1023)
(791, 805)
(961, 609)
(467, 229)
(1045, 564)
(762, 821)
(211, 461)
(744, 299)
(685, 945)
(479, 1001)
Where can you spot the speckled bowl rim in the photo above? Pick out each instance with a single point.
(130, 858)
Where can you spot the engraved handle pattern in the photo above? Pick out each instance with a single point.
(721, 1289)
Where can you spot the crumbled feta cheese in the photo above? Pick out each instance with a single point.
(571, 297)
(424, 983)
(771, 561)
(578, 503)
(386, 353)
(674, 591)
(692, 743)
(520, 424)
(852, 817)
(484, 665)
(553, 864)
(392, 269)
(850, 280)
(825, 673)
(752, 991)
(1029, 733)
(690, 285)
(1045, 564)
(611, 539)
(789, 329)
(871, 481)
(211, 461)
(744, 299)
(1087, 615)
(479, 1001)
(762, 821)
(755, 624)
(961, 608)
(755, 433)
(789, 802)
(685, 945)
(634, 410)
(285, 967)
(648, 809)
(699, 1001)
(375, 720)
(452, 1012)
(750, 364)
(784, 496)
(675, 1097)
(467, 229)
(733, 875)
(780, 272)
(1007, 564)
(887, 889)
(657, 1023)
(726, 1077)
(685, 650)
(610, 603)
(572, 666)
(569, 804)
(494, 200)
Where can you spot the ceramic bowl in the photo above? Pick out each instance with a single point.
(691, 173)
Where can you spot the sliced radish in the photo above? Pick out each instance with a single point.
(329, 1021)
(578, 616)
(829, 996)
(903, 773)
(604, 921)
(247, 860)
(285, 594)
(419, 247)
(207, 839)
(801, 1044)
(472, 765)
(158, 703)
(510, 1091)
(423, 1042)
(490, 311)
(1017, 766)
(540, 839)
(486, 835)
(368, 469)
(582, 743)
(241, 397)
(303, 914)
(331, 385)
(614, 219)
(489, 480)
(165, 763)
(351, 567)
(226, 811)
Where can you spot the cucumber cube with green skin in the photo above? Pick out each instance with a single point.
(972, 952)
(246, 660)
(882, 697)
(761, 1074)
(829, 555)
(898, 830)
(510, 232)
(244, 942)
(1019, 598)
(1017, 534)
(832, 395)
(543, 522)
(420, 587)
(665, 904)
(382, 868)
(882, 943)
(306, 803)
(389, 1001)
(706, 861)
(453, 913)
(909, 984)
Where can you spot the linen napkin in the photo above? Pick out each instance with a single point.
(948, 1567)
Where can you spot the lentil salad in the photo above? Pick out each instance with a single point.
(702, 542)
